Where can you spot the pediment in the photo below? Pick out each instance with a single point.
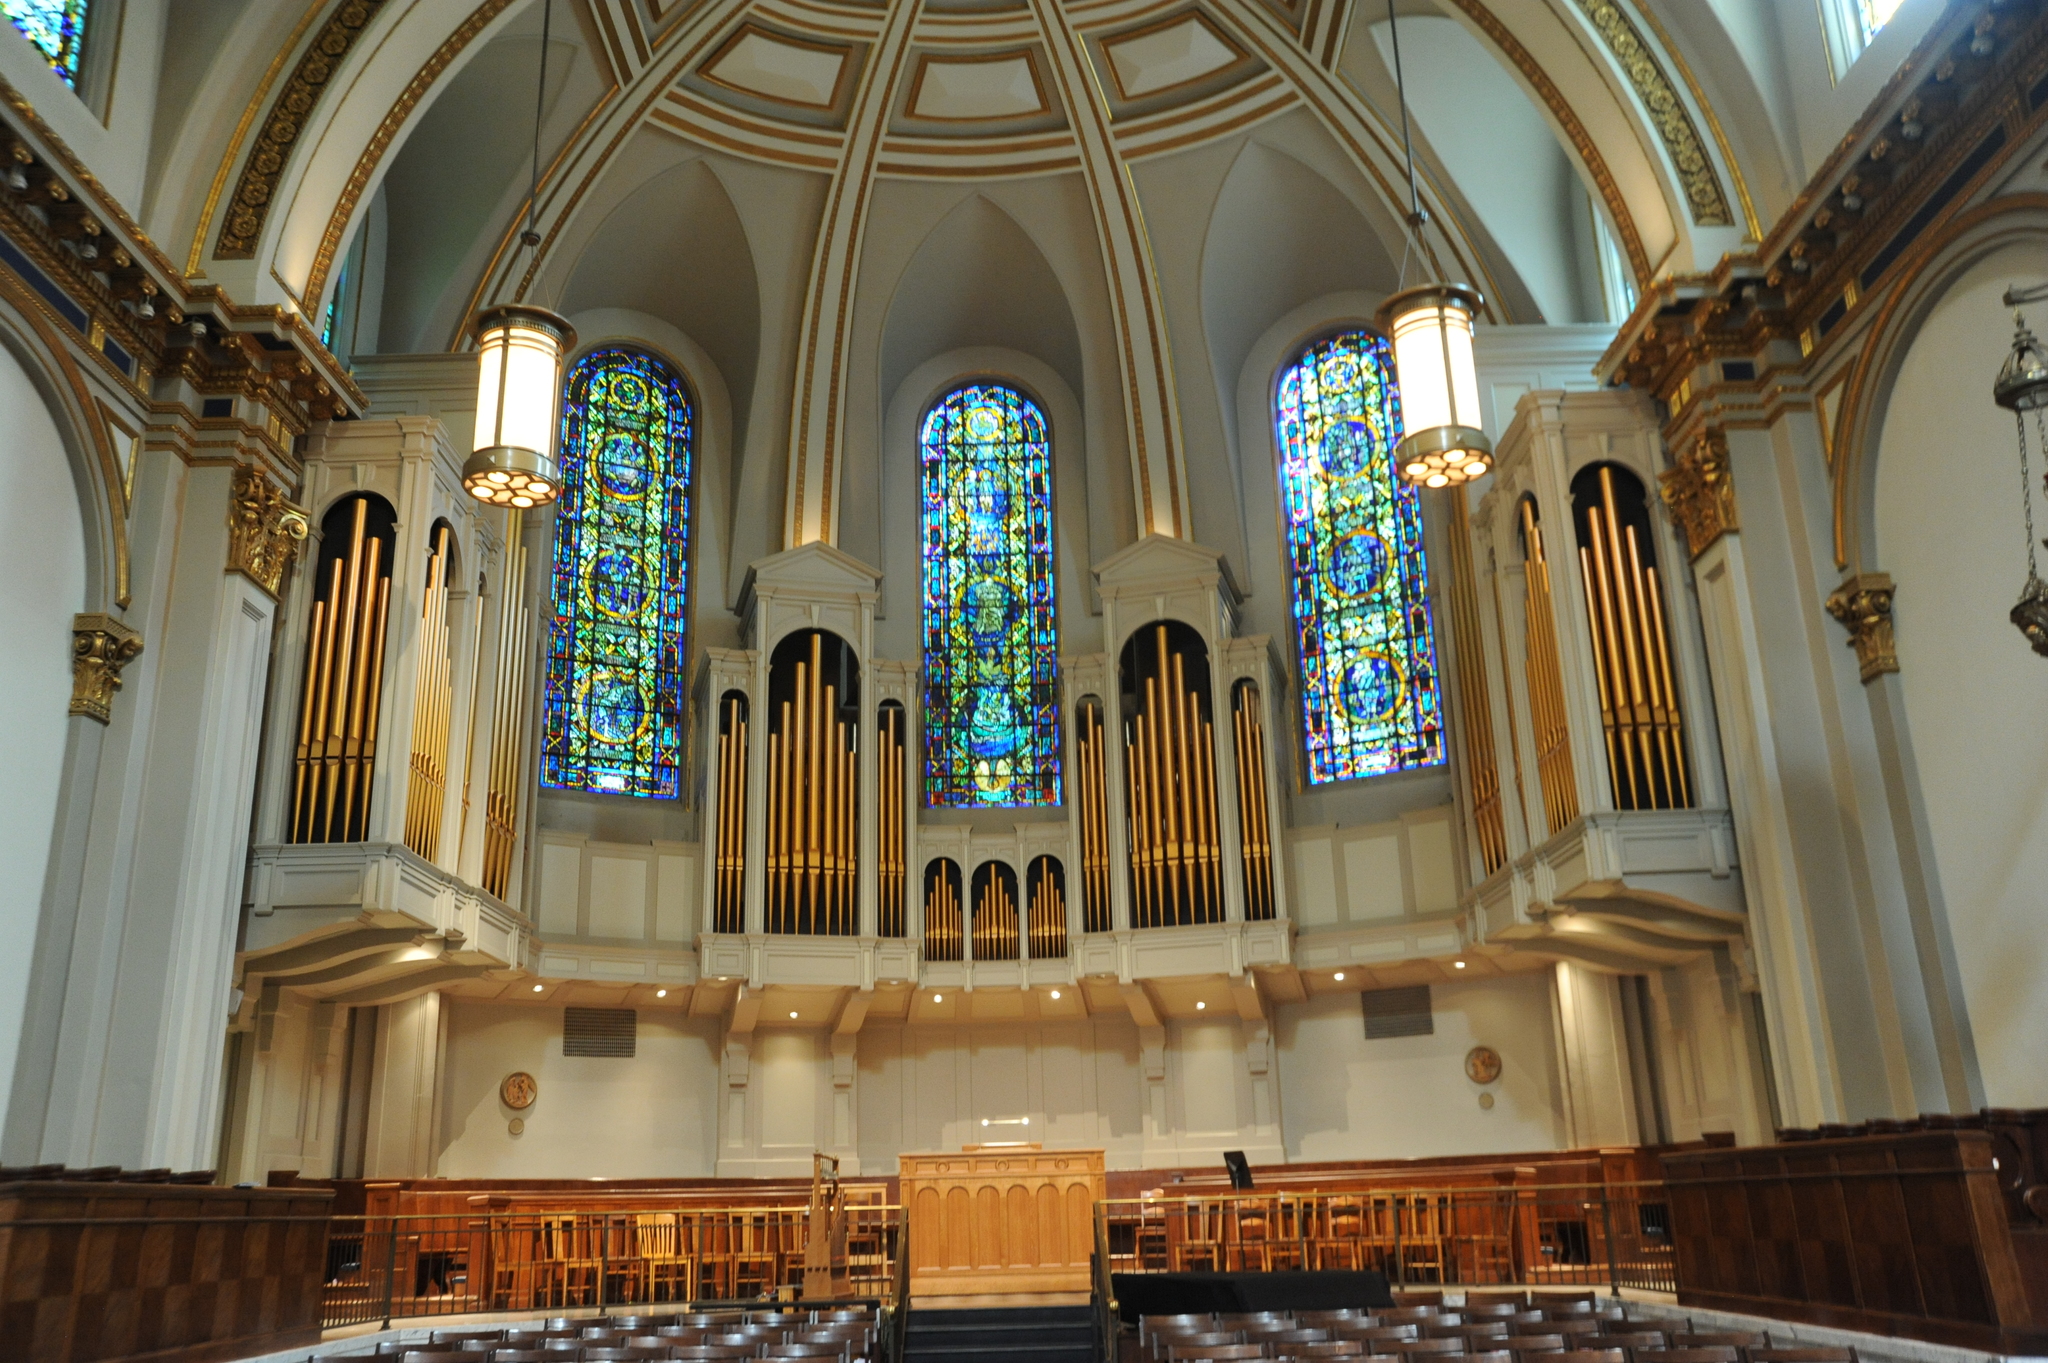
(1158, 561)
(814, 568)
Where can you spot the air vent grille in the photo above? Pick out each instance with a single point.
(1397, 1012)
(610, 1032)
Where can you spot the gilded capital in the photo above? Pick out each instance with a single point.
(100, 647)
(264, 530)
(1700, 490)
(1863, 603)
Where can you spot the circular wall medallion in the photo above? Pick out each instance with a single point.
(1486, 1102)
(518, 1091)
(1482, 1064)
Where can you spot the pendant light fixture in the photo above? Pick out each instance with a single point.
(519, 371)
(1431, 330)
(2022, 387)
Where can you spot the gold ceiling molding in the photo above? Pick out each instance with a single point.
(387, 131)
(287, 119)
(1582, 141)
(1751, 222)
(1703, 194)
(234, 151)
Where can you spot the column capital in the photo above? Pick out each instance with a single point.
(1863, 603)
(264, 530)
(1699, 487)
(101, 646)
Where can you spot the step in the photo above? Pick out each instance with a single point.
(1026, 1334)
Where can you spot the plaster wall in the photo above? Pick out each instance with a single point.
(653, 1115)
(1949, 531)
(1344, 1097)
(42, 541)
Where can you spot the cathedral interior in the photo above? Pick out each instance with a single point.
(1031, 594)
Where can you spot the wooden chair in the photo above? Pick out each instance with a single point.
(534, 1355)
(1740, 1340)
(1342, 1315)
(1574, 1325)
(1486, 1329)
(1489, 1356)
(712, 1352)
(465, 1338)
(1219, 1352)
(1378, 1334)
(1406, 1314)
(1339, 1237)
(1812, 1355)
(1280, 1341)
(1334, 1348)
(712, 1318)
(1712, 1353)
(1419, 1346)
(1408, 1296)
(1241, 1319)
(1199, 1245)
(1514, 1300)
(1168, 1345)
(1534, 1344)
(626, 1354)
(1553, 1301)
(1590, 1356)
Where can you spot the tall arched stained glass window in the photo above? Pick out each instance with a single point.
(991, 642)
(613, 698)
(1370, 701)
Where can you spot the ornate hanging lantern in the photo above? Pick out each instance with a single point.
(1431, 330)
(2022, 387)
(519, 384)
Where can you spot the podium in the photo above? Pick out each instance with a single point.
(1000, 1219)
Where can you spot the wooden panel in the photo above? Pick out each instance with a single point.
(1897, 1234)
(1010, 1220)
(182, 1274)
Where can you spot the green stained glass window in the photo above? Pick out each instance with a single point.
(991, 642)
(55, 26)
(1370, 701)
(613, 696)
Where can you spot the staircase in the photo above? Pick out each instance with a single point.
(1021, 1334)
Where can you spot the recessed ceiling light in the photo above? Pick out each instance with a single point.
(1055, 993)
(1199, 1005)
(1459, 964)
(1340, 977)
(661, 993)
(792, 1014)
(938, 998)
(538, 988)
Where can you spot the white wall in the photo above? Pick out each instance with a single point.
(652, 1116)
(1949, 531)
(927, 1088)
(42, 545)
(1343, 1097)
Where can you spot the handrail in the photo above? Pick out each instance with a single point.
(899, 1320)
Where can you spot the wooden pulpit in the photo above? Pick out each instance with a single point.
(997, 1219)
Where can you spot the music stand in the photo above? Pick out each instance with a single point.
(1240, 1170)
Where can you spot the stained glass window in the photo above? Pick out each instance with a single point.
(56, 26)
(1369, 688)
(613, 698)
(991, 643)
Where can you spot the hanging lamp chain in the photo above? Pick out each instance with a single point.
(1417, 215)
(531, 236)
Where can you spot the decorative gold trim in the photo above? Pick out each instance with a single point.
(264, 530)
(1582, 141)
(1751, 222)
(1703, 195)
(1699, 488)
(380, 142)
(1863, 603)
(241, 133)
(100, 647)
(257, 188)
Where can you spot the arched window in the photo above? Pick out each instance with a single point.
(614, 690)
(991, 643)
(1369, 697)
(55, 26)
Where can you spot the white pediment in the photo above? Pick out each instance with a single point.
(814, 568)
(1163, 561)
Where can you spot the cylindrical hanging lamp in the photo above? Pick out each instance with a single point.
(1431, 330)
(519, 383)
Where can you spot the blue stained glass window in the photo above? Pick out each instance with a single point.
(55, 26)
(1370, 699)
(991, 642)
(613, 697)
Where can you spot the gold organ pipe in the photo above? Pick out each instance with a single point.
(335, 755)
(1094, 824)
(1546, 685)
(427, 787)
(1171, 781)
(508, 727)
(1615, 712)
(813, 802)
(1653, 680)
(1254, 830)
(730, 906)
(302, 758)
(1482, 765)
(1663, 642)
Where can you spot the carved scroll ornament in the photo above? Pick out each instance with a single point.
(100, 647)
(1863, 603)
(1699, 488)
(264, 530)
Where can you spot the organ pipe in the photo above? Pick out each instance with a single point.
(1170, 761)
(336, 754)
(729, 913)
(432, 707)
(1254, 817)
(1091, 788)
(508, 720)
(1046, 891)
(1631, 652)
(1482, 768)
(891, 861)
(995, 912)
(811, 817)
(942, 927)
(1546, 682)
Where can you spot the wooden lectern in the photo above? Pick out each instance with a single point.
(997, 1219)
